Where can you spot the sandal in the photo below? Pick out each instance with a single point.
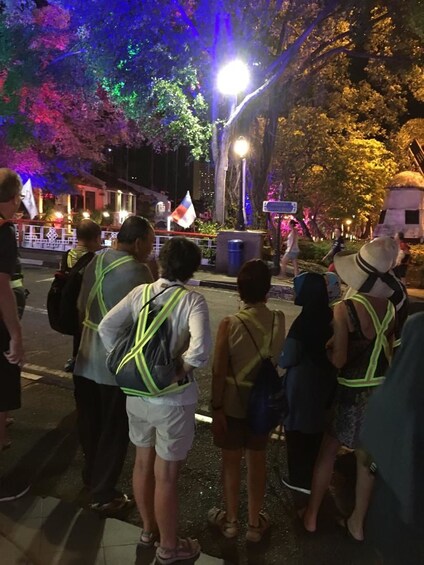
(256, 533)
(187, 548)
(218, 518)
(147, 539)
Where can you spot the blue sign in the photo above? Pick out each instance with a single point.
(279, 207)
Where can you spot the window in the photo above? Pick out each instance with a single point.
(112, 200)
(382, 217)
(412, 216)
(90, 200)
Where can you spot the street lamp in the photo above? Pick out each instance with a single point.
(233, 78)
(241, 148)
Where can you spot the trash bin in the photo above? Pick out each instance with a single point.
(235, 256)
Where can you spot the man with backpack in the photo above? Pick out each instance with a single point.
(162, 393)
(12, 300)
(89, 241)
(102, 418)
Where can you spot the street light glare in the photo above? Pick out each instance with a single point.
(233, 78)
(241, 147)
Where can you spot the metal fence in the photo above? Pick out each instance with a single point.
(51, 238)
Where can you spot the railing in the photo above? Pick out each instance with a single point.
(51, 238)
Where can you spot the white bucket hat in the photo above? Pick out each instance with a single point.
(369, 270)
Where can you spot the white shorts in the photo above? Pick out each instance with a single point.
(169, 429)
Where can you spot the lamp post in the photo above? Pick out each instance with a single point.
(241, 148)
(232, 79)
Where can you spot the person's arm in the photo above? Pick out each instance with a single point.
(220, 369)
(117, 320)
(338, 352)
(9, 315)
(200, 345)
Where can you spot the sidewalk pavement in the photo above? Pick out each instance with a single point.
(281, 288)
(49, 531)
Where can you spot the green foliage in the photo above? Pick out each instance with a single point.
(316, 250)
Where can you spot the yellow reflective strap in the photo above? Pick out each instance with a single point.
(141, 324)
(380, 344)
(111, 267)
(96, 290)
(360, 383)
(143, 337)
(18, 283)
(397, 343)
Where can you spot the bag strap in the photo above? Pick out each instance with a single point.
(81, 263)
(253, 339)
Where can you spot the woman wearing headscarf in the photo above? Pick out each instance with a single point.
(393, 435)
(310, 379)
(361, 350)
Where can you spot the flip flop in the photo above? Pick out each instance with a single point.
(343, 524)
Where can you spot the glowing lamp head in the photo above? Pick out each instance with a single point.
(241, 147)
(86, 215)
(58, 215)
(233, 78)
(106, 215)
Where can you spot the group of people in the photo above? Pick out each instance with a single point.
(334, 358)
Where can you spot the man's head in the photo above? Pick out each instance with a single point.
(136, 236)
(10, 192)
(337, 232)
(179, 259)
(89, 234)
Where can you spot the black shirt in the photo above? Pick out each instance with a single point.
(9, 262)
(338, 245)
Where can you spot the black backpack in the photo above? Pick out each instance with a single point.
(122, 362)
(267, 404)
(63, 295)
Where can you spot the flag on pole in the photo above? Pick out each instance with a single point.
(28, 199)
(184, 215)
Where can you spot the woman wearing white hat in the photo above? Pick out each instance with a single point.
(364, 326)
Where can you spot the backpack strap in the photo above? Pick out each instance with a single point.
(143, 335)
(97, 291)
(253, 339)
(81, 263)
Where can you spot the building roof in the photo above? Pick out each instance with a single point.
(407, 179)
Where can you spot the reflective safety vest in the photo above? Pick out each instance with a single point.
(146, 385)
(381, 345)
(95, 298)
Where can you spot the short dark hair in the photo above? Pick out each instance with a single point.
(10, 184)
(293, 223)
(401, 235)
(179, 259)
(88, 231)
(254, 281)
(134, 227)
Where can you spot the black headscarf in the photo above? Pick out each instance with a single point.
(313, 325)
(393, 431)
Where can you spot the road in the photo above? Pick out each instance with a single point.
(45, 448)
(47, 350)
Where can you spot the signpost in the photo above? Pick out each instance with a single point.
(279, 207)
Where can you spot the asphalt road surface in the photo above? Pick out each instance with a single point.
(45, 447)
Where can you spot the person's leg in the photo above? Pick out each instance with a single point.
(283, 264)
(302, 452)
(256, 482)
(3, 433)
(231, 473)
(321, 480)
(112, 445)
(144, 486)
(88, 405)
(363, 491)
(166, 500)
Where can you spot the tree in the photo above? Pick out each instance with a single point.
(55, 120)
(287, 43)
